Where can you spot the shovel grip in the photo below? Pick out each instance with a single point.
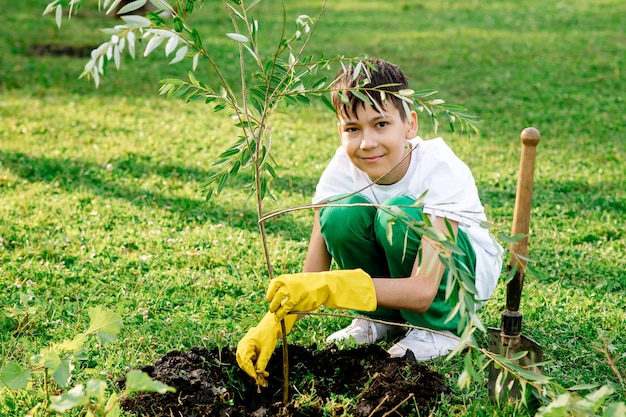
(521, 217)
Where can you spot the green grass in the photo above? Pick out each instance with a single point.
(101, 200)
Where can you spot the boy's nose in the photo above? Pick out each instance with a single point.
(368, 141)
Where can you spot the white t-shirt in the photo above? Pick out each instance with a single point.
(450, 192)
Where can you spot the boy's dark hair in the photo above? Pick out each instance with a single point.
(378, 73)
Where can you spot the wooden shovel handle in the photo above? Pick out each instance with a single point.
(521, 216)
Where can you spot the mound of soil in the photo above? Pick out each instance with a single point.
(209, 383)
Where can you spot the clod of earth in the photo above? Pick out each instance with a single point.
(209, 383)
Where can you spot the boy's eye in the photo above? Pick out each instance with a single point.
(382, 124)
(351, 129)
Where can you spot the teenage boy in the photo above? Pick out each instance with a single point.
(395, 275)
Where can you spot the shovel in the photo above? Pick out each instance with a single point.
(507, 341)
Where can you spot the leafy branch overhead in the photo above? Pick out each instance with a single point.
(284, 75)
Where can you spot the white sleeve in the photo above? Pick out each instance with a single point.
(452, 192)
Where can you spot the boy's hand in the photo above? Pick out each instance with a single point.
(348, 289)
(259, 344)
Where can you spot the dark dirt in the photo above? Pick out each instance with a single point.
(60, 50)
(209, 383)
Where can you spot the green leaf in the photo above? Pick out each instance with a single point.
(165, 88)
(73, 345)
(196, 37)
(69, 399)
(188, 6)
(263, 188)
(256, 105)
(581, 387)
(229, 152)
(486, 225)
(232, 8)
(424, 93)
(222, 182)
(302, 99)
(328, 103)
(63, 372)
(209, 194)
(113, 406)
(237, 37)
(139, 381)
(510, 239)
(519, 355)
(135, 20)
(58, 16)
(617, 409)
(597, 397)
(271, 170)
(452, 247)
(132, 6)
(51, 360)
(319, 84)
(343, 97)
(235, 168)
(178, 24)
(105, 323)
(469, 285)
(96, 388)
(182, 90)
(463, 380)
(455, 108)
(289, 100)
(362, 97)
(14, 377)
(252, 4)
(435, 234)
(557, 408)
(533, 376)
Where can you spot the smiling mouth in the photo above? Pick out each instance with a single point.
(373, 158)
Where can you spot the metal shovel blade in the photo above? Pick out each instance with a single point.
(498, 387)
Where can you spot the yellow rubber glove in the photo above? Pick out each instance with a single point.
(259, 344)
(348, 289)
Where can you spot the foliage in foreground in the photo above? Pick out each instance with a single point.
(57, 363)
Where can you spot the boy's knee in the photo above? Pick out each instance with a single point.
(345, 217)
(344, 211)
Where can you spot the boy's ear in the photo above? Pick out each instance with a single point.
(413, 125)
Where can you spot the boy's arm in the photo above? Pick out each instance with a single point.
(418, 291)
(317, 257)
(355, 289)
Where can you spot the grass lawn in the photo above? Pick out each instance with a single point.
(101, 200)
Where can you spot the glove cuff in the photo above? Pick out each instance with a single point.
(351, 289)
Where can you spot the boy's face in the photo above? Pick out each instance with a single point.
(376, 143)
